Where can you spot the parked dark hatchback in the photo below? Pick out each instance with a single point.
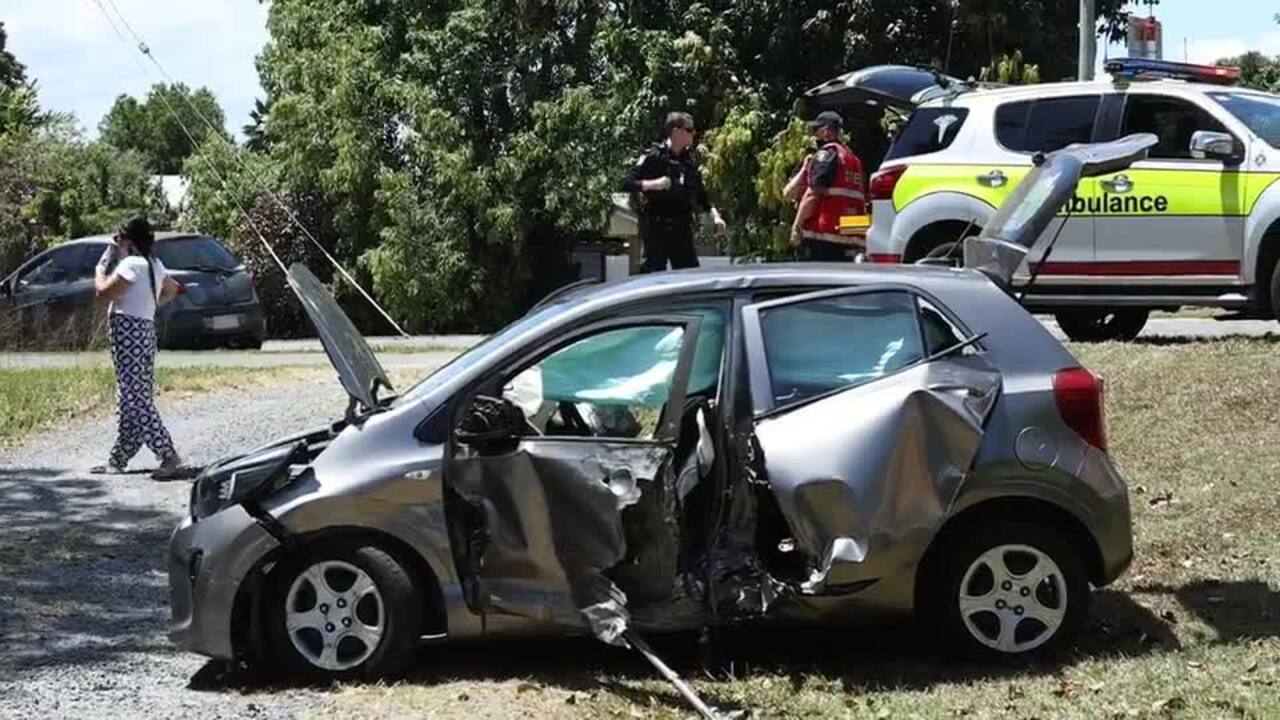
(219, 304)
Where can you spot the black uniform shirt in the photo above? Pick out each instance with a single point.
(687, 193)
(822, 171)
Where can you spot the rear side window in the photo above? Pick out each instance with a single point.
(194, 253)
(929, 130)
(821, 345)
(1046, 125)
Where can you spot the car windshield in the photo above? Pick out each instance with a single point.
(194, 253)
(1260, 112)
(478, 353)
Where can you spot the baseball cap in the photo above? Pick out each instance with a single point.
(827, 118)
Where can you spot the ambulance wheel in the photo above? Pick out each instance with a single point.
(1275, 292)
(1102, 324)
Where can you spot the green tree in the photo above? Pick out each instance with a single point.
(1257, 71)
(13, 74)
(1011, 70)
(459, 147)
(155, 127)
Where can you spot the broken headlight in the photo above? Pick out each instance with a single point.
(245, 478)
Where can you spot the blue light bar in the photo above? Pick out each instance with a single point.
(1143, 69)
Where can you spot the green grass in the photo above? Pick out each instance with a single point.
(38, 399)
(1193, 629)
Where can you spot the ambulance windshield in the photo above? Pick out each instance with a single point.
(1259, 111)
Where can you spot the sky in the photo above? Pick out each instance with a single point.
(81, 66)
(1213, 29)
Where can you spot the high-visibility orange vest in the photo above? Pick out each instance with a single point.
(844, 197)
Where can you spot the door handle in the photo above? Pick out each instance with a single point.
(1118, 184)
(993, 179)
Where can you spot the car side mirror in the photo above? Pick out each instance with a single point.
(1211, 145)
(491, 424)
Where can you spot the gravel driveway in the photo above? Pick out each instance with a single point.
(83, 586)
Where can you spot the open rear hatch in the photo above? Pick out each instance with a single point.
(899, 87)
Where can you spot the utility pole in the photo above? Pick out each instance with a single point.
(1088, 38)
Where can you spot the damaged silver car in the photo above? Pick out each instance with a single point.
(675, 451)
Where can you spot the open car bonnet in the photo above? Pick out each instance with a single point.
(358, 368)
(999, 250)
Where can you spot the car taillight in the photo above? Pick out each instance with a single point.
(883, 182)
(1080, 400)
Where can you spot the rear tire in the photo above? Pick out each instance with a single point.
(1008, 591)
(342, 610)
(1102, 324)
(1275, 292)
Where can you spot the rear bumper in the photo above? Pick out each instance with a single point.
(1111, 520)
(208, 563)
(192, 325)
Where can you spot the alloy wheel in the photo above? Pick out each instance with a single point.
(1013, 598)
(335, 615)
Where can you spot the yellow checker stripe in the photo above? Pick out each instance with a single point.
(1155, 192)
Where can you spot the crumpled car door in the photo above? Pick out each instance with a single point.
(573, 521)
(865, 427)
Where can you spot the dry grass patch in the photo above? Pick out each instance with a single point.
(38, 399)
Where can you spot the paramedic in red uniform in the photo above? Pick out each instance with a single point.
(828, 186)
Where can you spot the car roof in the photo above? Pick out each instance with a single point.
(1015, 92)
(772, 275)
(160, 237)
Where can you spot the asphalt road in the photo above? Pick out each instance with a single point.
(432, 351)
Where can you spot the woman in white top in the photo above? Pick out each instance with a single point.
(138, 285)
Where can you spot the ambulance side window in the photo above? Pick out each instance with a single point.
(1046, 125)
(1173, 121)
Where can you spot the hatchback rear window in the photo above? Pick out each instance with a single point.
(195, 253)
(1046, 125)
(929, 130)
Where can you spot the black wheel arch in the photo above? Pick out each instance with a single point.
(1022, 509)
(1268, 257)
(246, 616)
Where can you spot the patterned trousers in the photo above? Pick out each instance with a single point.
(133, 350)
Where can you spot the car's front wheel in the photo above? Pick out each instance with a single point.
(342, 609)
(1101, 324)
(1009, 590)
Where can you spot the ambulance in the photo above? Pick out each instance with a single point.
(1197, 223)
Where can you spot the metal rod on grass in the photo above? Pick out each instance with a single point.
(703, 709)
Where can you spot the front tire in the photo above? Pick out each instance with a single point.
(1009, 591)
(342, 610)
(1102, 324)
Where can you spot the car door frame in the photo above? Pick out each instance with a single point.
(926, 498)
(758, 381)
(665, 435)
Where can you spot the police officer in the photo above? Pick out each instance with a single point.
(670, 186)
(828, 186)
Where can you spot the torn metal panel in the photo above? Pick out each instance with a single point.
(562, 520)
(857, 475)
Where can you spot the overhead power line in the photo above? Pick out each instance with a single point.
(145, 50)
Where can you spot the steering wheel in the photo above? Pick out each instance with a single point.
(573, 419)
